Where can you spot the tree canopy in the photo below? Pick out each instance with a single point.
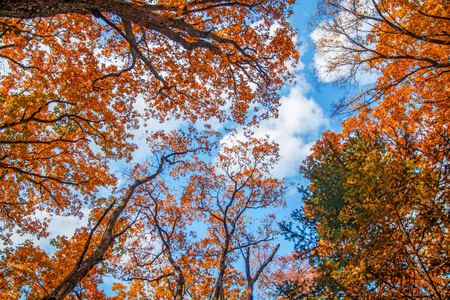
(73, 76)
(375, 220)
(379, 221)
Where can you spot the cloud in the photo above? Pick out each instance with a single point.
(326, 57)
(297, 127)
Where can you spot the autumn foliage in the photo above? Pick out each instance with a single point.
(74, 80)
(375, 221)
(380, 220)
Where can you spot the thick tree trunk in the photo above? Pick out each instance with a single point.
(249, 295)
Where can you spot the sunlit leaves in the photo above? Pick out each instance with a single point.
(71, 75)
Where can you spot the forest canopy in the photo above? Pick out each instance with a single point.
(73, 73)
(83, 82)
(375, 217)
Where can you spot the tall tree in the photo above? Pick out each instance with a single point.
(186, 247)
(82, 260)
(72, 73)
(380, 221)
(375, 219)
(288, 278)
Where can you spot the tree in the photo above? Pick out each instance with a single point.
(406, 43)
(177, 259)
(380, 221)
(110, 219)
(72, 73)
(374, 224)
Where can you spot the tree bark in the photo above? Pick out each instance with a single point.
(82, 268)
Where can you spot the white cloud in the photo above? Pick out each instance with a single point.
(299, 124)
